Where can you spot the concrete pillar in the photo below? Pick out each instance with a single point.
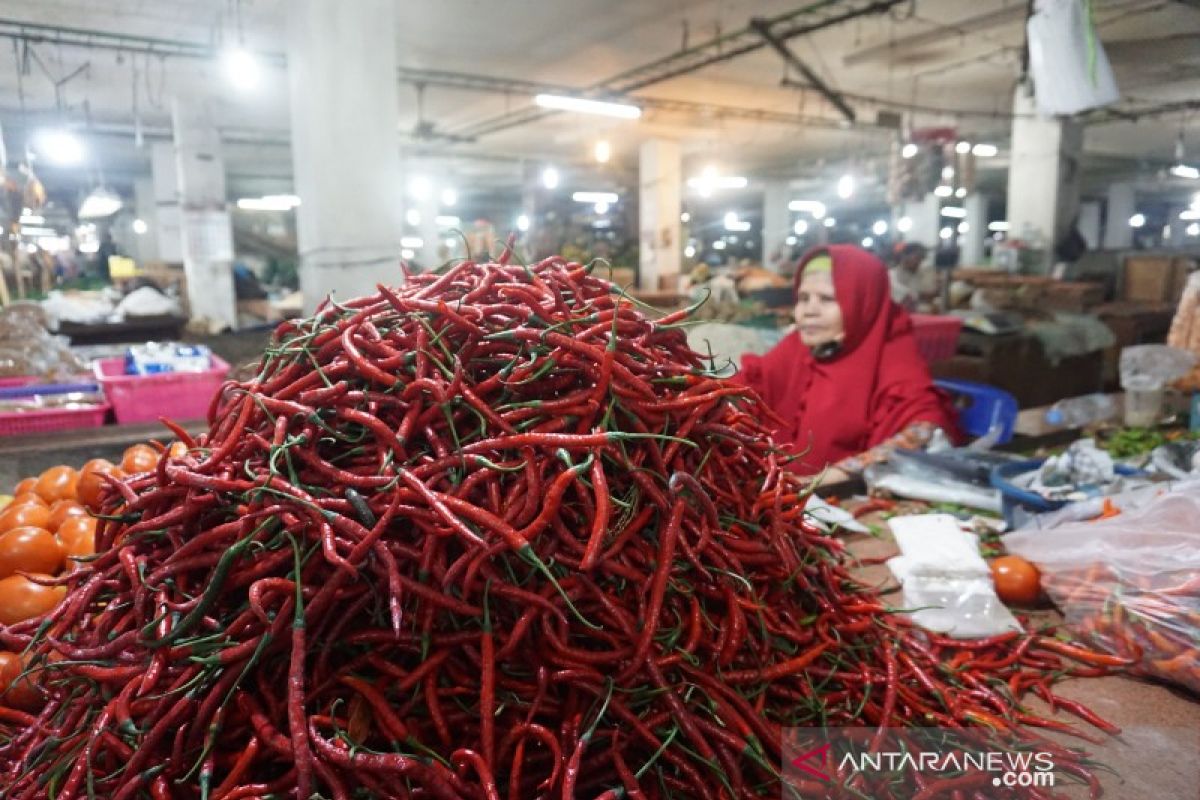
(1120, 206)
(345, 145)
(925, 215)
(976, 219)
(145, 209)
(1089, 223)
(206, 227)
(660, 180)
(165, 187)
(776, 225)
(1043, 175)
(428, 207)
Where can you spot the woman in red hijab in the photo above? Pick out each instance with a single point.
(848, 383)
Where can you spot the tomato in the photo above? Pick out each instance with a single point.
(30, 549)
(78, 538)
(17, 691)
(91, 484)
(1017, 581)
(18, 516)
(29, 498)
(139, 458)
(57, 483)
(177, 450)
(22, 599)
(24, 486)
(63, 509)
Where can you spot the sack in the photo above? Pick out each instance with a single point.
(1070, 71)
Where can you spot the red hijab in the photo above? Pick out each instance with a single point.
(876, 386)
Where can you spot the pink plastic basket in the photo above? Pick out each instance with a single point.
(145, 398)
(936, 335)
(48, 420)
(17, 380)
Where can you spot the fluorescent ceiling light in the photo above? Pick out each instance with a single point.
(960, 192)
(450, 242)
(909, 150)
(420, 187)
(985, 150)
(685, 217)
(1185, 171)
(561, 102)
(880, 227)
(100, 203)
(241, 68)
(31, 230)
(964, 227)
(962, 147)
(845, 186)
(868, 242)
(449, 196)
(1193, 229)
(523, 222)
(718, 182)
(800, 228)
(999, 226)
(594, 197)
(719, 244)
(61, 148)
(139, 226)
(412, 242)
(550, 178)
(448, 221)
(814, 207)
(32, 219)
(957, 212)
(904, 224)
(830, 222)
(602, 151)
(1137, 220)
(271, 202)
(601, 207)
(947, 172)
(602, 223)
(1191, 213)
(689, 251)
(407, 255)
(945, 233)
(943, 191)
(789, 241)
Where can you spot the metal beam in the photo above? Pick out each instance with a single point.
(802, 21)
(963, 27)
(764, 30)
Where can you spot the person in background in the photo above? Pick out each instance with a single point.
(848, 384)
(107, 248)
(912, 286)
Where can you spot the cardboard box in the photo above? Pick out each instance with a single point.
(1155, 279)
(1074, 297)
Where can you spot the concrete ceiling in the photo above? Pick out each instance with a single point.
(936, 61)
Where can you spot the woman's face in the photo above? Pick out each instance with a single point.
(818, 315)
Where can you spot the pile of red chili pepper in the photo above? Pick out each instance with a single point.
(494, 534)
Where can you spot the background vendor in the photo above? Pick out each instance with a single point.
(848, 383)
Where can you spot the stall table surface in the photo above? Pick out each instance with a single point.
(1158, 753)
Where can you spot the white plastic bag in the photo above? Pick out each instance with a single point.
(1129, 583)
(1070, 71)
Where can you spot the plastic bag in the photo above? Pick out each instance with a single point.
(1070, 71)
(1147, 367)
(1130, 583)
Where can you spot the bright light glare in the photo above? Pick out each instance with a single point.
(594, 197)
(523, 222)
(791, 240)
(719, 244)
(32, 219)
(964, 227)
(943, 191)
(868, 242)
(999, 226)
(412, 217)
(1137, 220)
(601, 207)
(139, 226)
(420, 187)
(447, 221)
(449, 196)
(945, 233)
(1193, 229)
(985, 150)
(960, 192)
(689, 251)
(814, 207)
(1185, 171)
(909, 150)
(845, 186)
(880, 227)
(830, 222)
(962, 147)
(408, 255)
(242, 69)
(100, 203)
(685, 217)
(412, 242)
(957, 212)
(560, 102)
(550, 178)
(61, 148)
(904, 224)
(800, 228)
(602, 151)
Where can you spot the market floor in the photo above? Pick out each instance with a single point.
(1157, 755)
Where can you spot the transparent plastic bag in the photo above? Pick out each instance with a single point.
(1151, 366)
(1130, 583)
